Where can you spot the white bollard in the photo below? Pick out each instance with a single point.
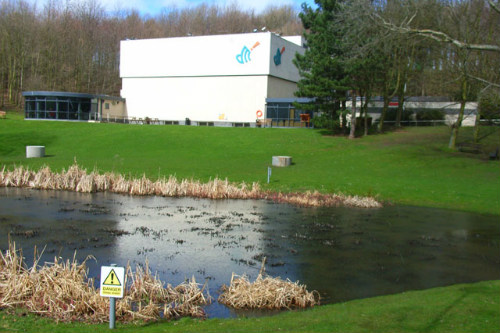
(282, 161)
(35, 151)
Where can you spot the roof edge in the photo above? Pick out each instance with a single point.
(69, 94)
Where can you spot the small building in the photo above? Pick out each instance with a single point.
(69, 106)
(427, 110)
(221, 80)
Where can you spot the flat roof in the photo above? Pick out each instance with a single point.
(290, 100)
(70, 95)
(57, 94)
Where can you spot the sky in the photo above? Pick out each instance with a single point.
(153, 7)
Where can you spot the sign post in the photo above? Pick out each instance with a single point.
(269, 171)
(112, 286)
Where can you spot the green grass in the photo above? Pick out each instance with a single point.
(412, 166)
(460, 308)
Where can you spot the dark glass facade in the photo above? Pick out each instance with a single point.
(283, 113)
(58, 105)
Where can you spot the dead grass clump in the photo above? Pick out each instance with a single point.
(61, 290)
(19, 177)
(146, 289)
(77, 179)
(186, 300)
(266, 293)
(316, 199)
(118, 183)
(14, 285)
(362, 202)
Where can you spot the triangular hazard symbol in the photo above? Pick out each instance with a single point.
(112, 279)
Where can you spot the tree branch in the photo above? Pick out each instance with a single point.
(440, 37)
(444, 38)
(489, 83)
(495, 7)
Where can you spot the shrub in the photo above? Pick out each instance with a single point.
(489, 106)
(430, 114)
(392, 112)
(326, 121)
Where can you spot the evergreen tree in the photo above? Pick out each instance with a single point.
(321, 68)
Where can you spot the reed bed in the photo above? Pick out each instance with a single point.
(78, 179)
(267, 292)
(316, 199)
(184, 300)
(61, 290)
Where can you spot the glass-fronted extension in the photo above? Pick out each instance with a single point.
(58, 105)
(282, 112)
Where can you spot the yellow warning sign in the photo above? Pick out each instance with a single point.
(112, 279)
(112, 291)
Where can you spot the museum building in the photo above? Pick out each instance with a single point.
(219, 80)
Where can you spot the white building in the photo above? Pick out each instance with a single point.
(221, 80)
(416, 105)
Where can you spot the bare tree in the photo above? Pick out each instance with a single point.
(74, 45)
(405, 27)
(466, 41)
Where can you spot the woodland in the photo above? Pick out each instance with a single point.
(75, 45)
(356, 48)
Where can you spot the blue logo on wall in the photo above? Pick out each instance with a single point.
(244, 56)
(277, 57)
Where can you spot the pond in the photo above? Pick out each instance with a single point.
(344, 253)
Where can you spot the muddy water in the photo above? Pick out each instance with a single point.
(344, 253)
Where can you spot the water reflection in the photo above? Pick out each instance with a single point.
(345, 253)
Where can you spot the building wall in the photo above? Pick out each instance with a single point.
(223, 78)
(450, 110)
(225, 99)
(282, 53)
(220, 55)
(117, 109)
(279, 88)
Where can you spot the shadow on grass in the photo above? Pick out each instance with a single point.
(468, 295)
(434, 323)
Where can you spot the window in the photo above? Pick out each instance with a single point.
(284, 114)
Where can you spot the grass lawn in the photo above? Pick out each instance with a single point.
(412, 166)
(460, 308)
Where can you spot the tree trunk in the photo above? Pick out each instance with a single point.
(401, 102)
(2, 92)
(476, 126)
(365, 110)
(456, 126)
(344, 118)
(381, 120)
(353, 118)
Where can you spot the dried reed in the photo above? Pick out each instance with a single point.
(77, 179)
(266, 293)
(180, 301)
(316, 199)
(61, 290)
